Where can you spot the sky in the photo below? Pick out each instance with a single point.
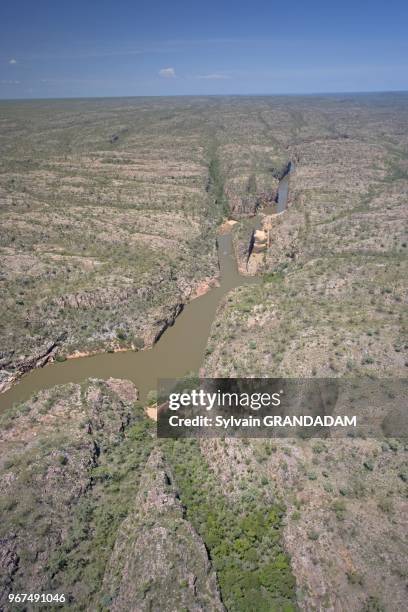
(87, 48)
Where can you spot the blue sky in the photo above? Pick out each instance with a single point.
(64, 48)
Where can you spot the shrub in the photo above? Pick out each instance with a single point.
(385, 505)
(151, 398)
(354, 578)
(121, 334)
(339, 508)
(319, 447)
(403, 474)
(393, 444)
(373, 604)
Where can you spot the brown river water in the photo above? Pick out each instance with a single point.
(179, 350)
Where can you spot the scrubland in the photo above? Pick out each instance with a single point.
(332, 302)
(109, 213)
(108, 220)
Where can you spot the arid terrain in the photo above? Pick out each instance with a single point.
(110, 211)
(108, 223)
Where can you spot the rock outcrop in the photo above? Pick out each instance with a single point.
(54, 449)
(159, 562)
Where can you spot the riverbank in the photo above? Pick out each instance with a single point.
(177, 350)
(51, 355)
(187, 349)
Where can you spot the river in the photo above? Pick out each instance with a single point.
(179, 350)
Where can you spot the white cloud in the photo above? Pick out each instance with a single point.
(6, 82)
(13, 61)
(216, 76)
(167, 73)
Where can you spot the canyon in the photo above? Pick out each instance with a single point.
(111, 213)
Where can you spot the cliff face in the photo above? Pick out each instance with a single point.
(88, 503)
(159, 562)
(106, 234)
(55, 466)
(89, 508)
(332, 303)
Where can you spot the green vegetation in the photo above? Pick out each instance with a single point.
(98, 515)
(110, 212)
(74, 482)
(243, 537)
(216, 183)
(102, 237)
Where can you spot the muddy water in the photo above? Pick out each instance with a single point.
(179, 350)
(283, 192)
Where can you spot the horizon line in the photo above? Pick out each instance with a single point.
(205, 95)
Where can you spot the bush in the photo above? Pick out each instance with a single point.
(319, 447)
(339, 508)
(385, 505)
(393, 444)
(121, 334)
(373, 604)
(151, 398)
(355, 578)
(403, 474)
